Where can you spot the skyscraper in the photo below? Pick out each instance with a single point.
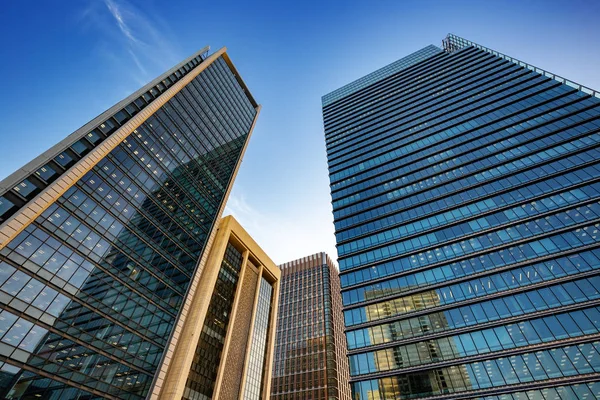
(226, 346)
(103, 238)
(310, 349)
(465, 194)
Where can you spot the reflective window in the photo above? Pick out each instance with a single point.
(256, 363)
(26, 188)
(485, 374)
(504, 337)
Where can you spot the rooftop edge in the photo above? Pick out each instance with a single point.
(380, 74)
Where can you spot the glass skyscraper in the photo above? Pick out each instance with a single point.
(104, 236)
(465, 188)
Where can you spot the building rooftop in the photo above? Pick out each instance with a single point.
(380, 74)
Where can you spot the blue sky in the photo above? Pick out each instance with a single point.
(64, 62)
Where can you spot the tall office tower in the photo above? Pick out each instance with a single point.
(310, 349)
(104, 236)
(226, 346)
(465, 189)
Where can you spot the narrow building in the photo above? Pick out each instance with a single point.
(310, 350)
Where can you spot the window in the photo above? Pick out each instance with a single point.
(26, 189)
(46, 173)
(6, 206)
(80, 147)
(64, 160)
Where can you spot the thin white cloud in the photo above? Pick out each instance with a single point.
(116, 13)
(136, 41)
(137, 62)
(250, 218)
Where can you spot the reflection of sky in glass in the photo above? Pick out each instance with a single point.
(380, 74)
(22, 334)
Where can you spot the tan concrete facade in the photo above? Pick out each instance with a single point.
(232, 371)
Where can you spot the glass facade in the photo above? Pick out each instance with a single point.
(392, 68)
(310, 348)
(90, 291)
(256, 363)
(203, 371)
(465, 191)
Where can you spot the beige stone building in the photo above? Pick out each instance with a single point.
(225, 349)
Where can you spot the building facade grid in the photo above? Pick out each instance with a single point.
(92, 287)
(310, 350)
(466, 196)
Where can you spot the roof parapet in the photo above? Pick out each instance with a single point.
(452, 43)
